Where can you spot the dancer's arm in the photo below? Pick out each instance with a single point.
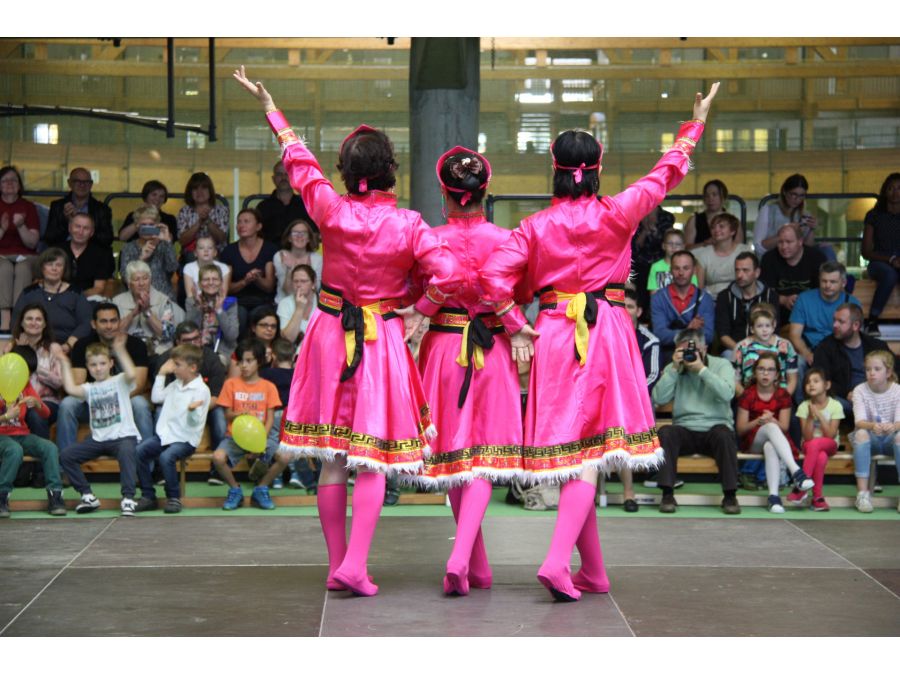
(501, 277)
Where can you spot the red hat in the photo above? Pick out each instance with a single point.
(466, 194)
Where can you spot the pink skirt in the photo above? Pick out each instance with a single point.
(596, 415)
(378, 418)
(483, 439)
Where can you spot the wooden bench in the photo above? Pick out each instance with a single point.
(864, 291)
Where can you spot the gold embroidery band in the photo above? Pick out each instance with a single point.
(565, 456)
(494, 457)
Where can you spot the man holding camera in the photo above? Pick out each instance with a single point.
(702, 387)
(154, 247)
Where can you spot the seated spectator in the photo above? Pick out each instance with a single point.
(153, 194)
(152, 247)
(682, 305)
(881, 247)
(842, 354)
(297, 308)
(733, 304)
(206, 254)
(215, 313)
(763, 417)
(702, 388)
(179, 428)
(790, 269)
(764, 339)
(265, 326)
(17, 440)
(72, 410)
(298, 247)
(32, 329)
(282, 208)
(660, 272)
(78, 200)
(201, 215)
(68, 310)
(876, 410)
(113, 431)
(249, 394)
(19, 235)
(252, 269)
(717, 259)
(281, 373)
(697, 229)
(812, 318)
(788, 208)
(146, 313)
(646, 248)
(92, 266)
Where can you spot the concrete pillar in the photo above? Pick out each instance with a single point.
(444, 89)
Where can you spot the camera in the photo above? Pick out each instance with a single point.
(690, 352)
(147, 231)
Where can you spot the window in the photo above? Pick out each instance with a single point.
(47, 134)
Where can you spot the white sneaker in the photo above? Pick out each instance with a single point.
(128, 506)
(864, 502)
(87, 504)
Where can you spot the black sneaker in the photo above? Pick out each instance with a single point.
(730, 506)
(668, 504)
(55, 504)
(146, 504)
(631, 506)
(173, 505)
(872, 328)
(4, 505)
(391, 497)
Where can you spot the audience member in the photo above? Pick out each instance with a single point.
(299, 246)
(282, 207)
(18, 440)
(105, 327)
(733, 304)
(206, 254)
(78, 200)
(297, 308)
(646, 248)
(113, 430)
(68, 310)
(660, 274)
(179, 428)
(215, 313)
(788, 208)
(152, 247)
(717, 259)
(764, 339)
(280, 373)
(146, 313)
(702, 388)
(881, 247)
(697, 229)
(681, 305)
(252, 269)
(91, 265)
(876, 411)
(790, 269)
(153, 194)
(201, 215)
(20, 231)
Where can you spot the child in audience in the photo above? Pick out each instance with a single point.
(763, 416)
(821, 417)
(249, 394)
(16, 440)
(876, 409)
(280, 373)
(185, 402)
(764, 338)
(207, 254)
(113, 431)
(660, 275)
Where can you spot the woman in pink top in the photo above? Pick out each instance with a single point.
(356, 399)
(588, 407)
(470, 380)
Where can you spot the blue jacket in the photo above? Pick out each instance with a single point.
(663, 315)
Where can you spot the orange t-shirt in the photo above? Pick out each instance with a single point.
(251, 399)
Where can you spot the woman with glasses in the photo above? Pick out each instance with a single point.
(299, 246)
(20, 231)
(788, 208)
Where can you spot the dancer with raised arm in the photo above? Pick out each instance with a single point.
(588, 408)
(356, 398)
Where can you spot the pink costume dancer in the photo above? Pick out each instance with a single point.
(588, 407)
(469, 378)
(356, 396)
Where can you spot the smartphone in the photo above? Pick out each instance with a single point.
(147, 231)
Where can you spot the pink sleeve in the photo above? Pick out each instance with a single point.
(438, 269)
(306, 175)
(502, 277)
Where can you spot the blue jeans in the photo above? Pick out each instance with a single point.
(886, 277)
(73, 411)
(122, 449)
(218, 427)
(152, 449)
(862, 451)
(37, 424)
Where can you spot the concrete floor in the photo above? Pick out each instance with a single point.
(193, 576)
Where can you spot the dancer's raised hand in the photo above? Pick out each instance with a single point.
(701, 105)
(258, 90)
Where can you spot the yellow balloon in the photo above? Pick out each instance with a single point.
(13, 376)
(249, 433)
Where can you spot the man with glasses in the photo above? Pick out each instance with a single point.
(79, 200)
(282, 207)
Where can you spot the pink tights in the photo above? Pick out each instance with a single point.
(817, 451)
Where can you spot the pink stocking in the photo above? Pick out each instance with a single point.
(480, 575)
(473, 504)
(818, 450)
(576, 498)
(368, 496)
(591, 578)
(332, 503)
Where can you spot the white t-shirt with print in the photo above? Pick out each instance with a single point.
(109, 405)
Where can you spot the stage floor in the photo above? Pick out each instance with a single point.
(220, 575)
